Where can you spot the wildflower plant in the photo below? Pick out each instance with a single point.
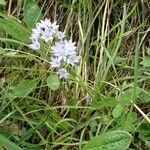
(107, 103)
(63, 52)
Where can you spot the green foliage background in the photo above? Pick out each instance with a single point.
(105, 102)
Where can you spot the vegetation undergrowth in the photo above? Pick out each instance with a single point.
(103, 104)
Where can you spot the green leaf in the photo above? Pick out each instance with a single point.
(2, 2)
(132, 117)
(117, 111)
(121, 120)
(10, 145)
(53, 82)
(112, 140)
(128, 126)
(14, 29)
(107, 102)
(105, 119)
(145, 97)
(126, 97)
(32, 13)
(144, 131)
(24, 88)
(146, 62)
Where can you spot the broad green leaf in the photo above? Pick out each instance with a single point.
(32, 13)
(2, 2)
(144, 127)
(105, 119)
(144, 136)
(7, 143)
(132, 117)
(117, 111)
(144, 131)
(145, 97)
(24, 88)
(112, 140)
(128, 126)
(146, 62)
(14, 29)
(107, 102)
(121, 120)
(126, 97)
(53, 82)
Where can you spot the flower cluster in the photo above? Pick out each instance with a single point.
(63, 51)
(44, 30)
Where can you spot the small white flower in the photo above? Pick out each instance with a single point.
(44, 30)
(36, 31)
(34, 38)
(55, 63)
(69, 47)
(63, 49)
(59, 50)
(35, 45)
(73, 59)
(63, 73)
(47, 36)
(54, 28)
(60, 35)
(44, 24)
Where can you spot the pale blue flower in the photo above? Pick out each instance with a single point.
(54, 28)
(44, 24)
(35, 45)
(69, 47)
(35, 35)
(36, 32)
(44, 30)
(60, 35)
(63, 73)
(55, 63)
(73, 59)
(47, 36)
(63, 49)
(59, 50)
